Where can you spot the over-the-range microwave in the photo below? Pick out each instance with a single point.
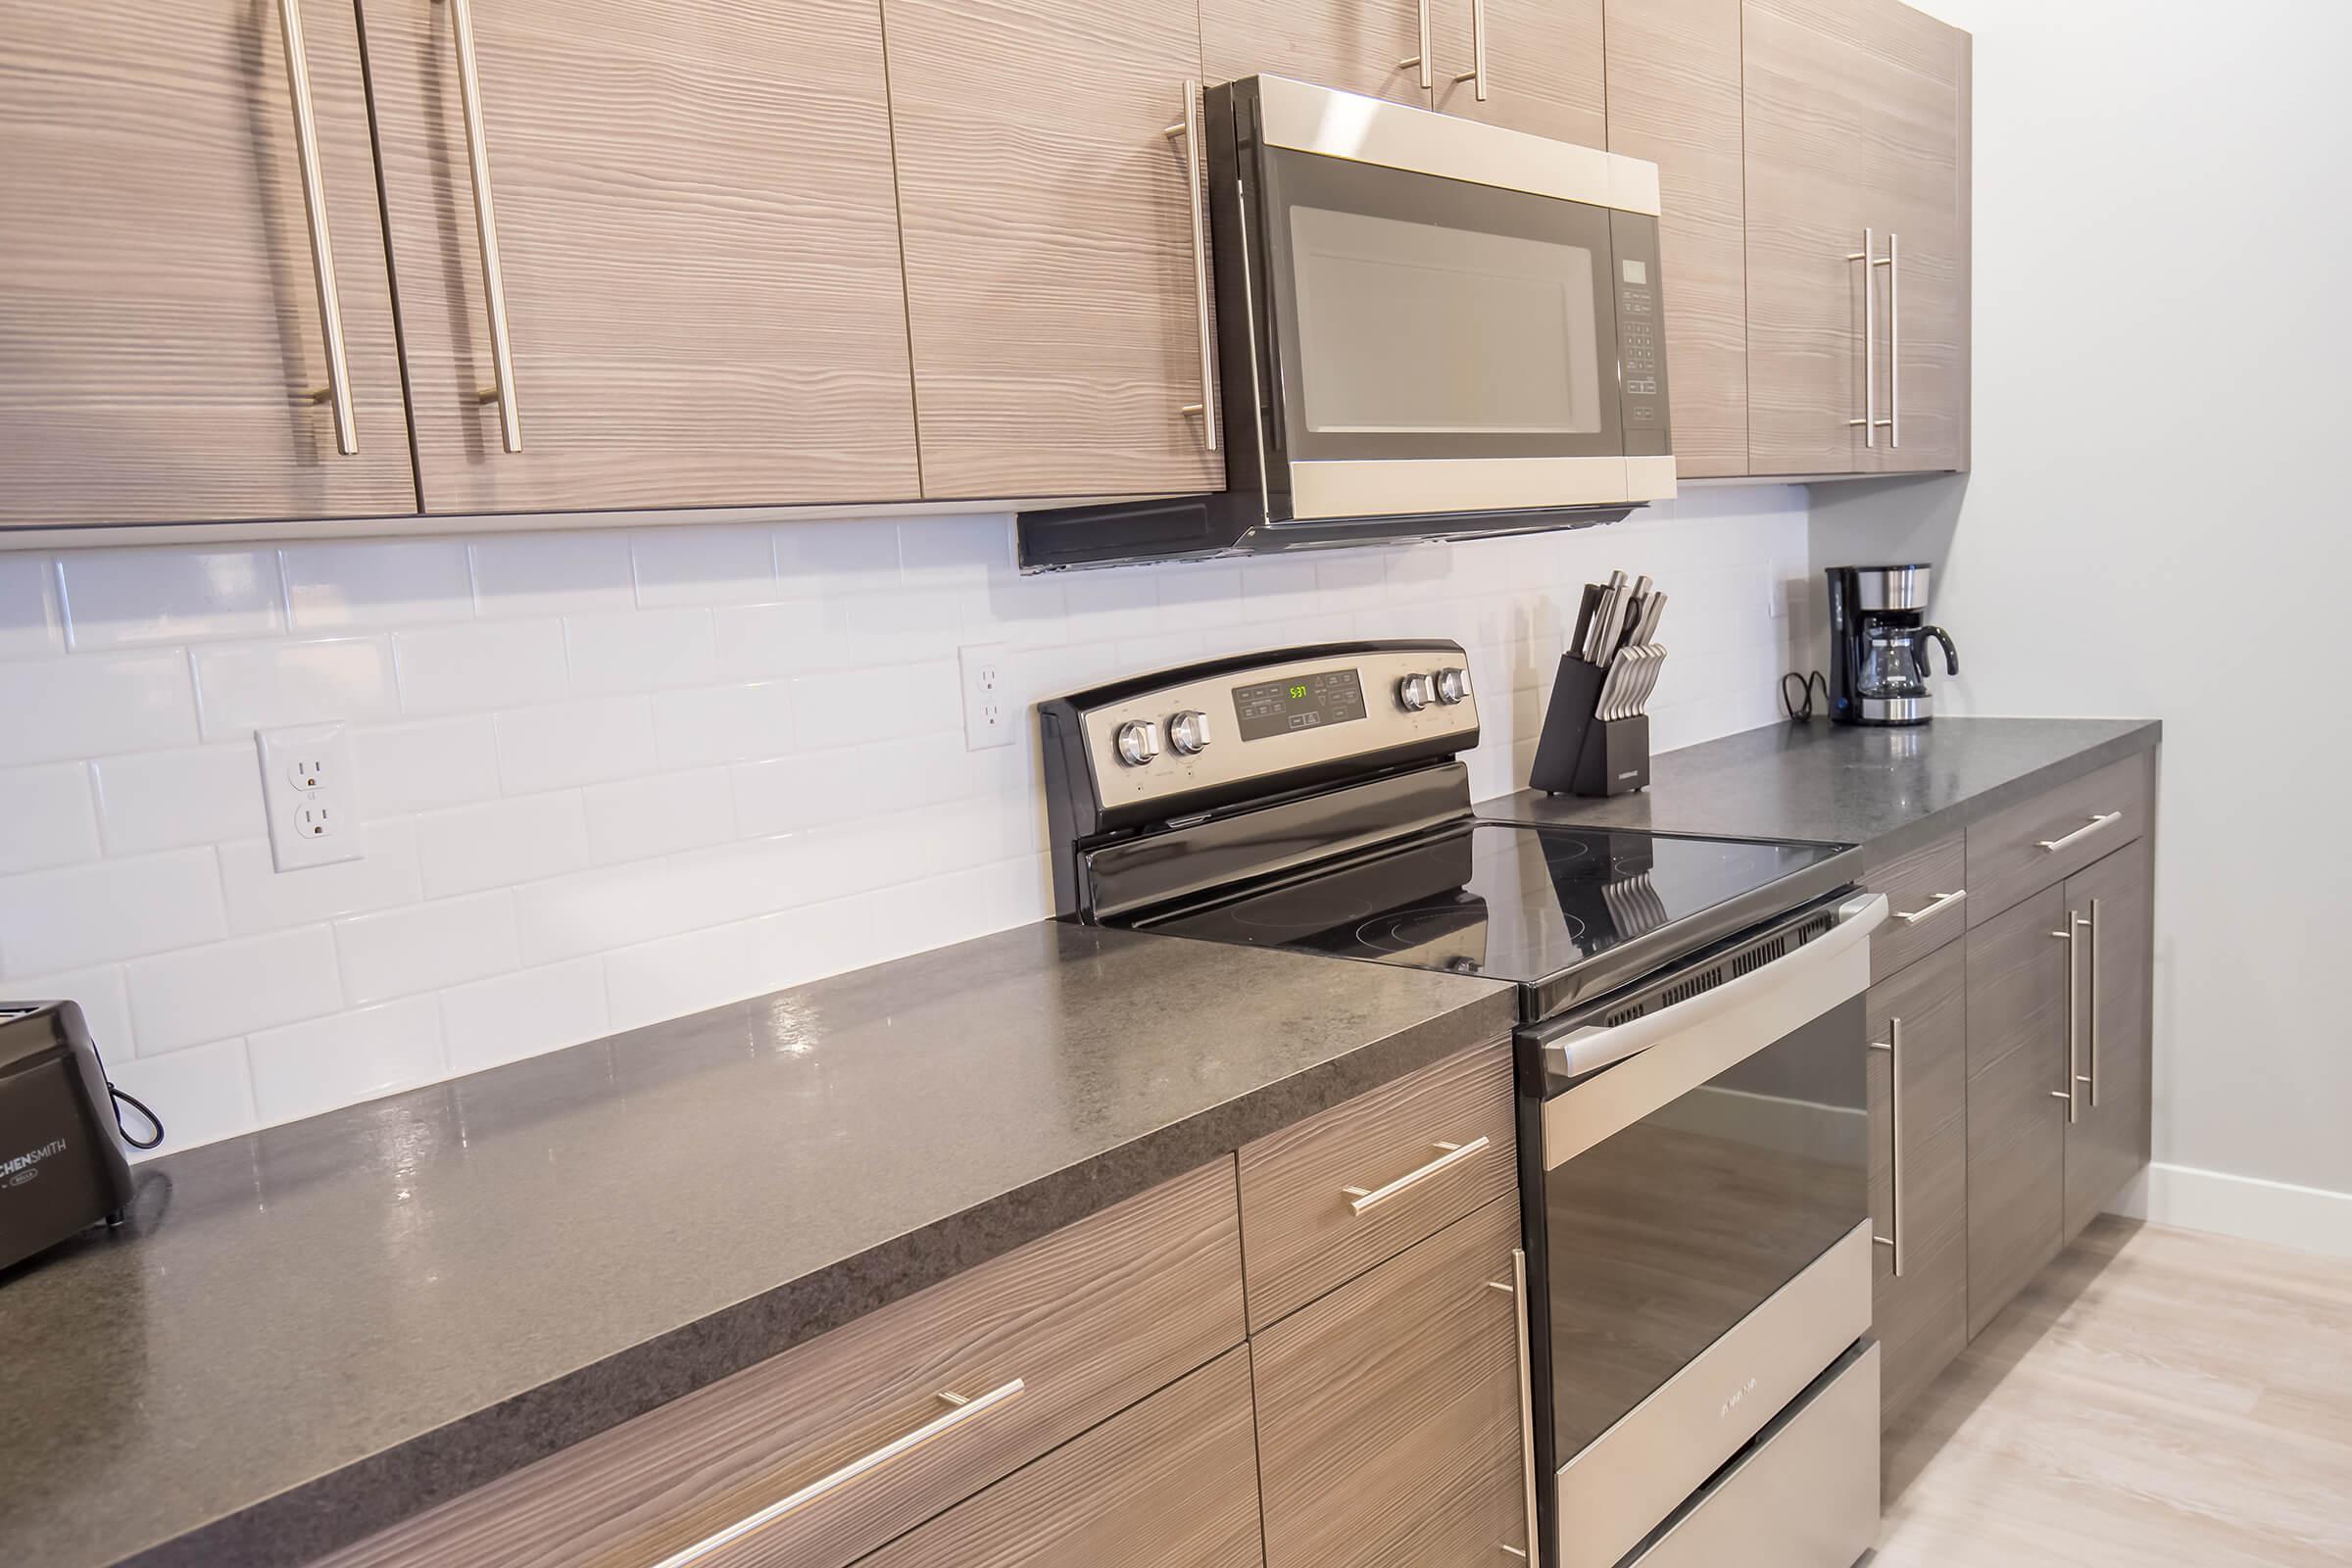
(1424, 327)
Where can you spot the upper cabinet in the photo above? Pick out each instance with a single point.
(1857, 260)
(1536, 66)
(177, 196)
(646, 252)
(1054, 248)
(1380, 48)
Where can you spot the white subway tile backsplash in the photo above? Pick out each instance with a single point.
(29, 624)
(707, 724)
(757, 642)
(315, 1067)
(622, 906)
(425, 947)
(818, 560)
(61, 710)
(811, 788)
(376, 583)
(250, 686)
(203, 1094)
(960, 552)
(101, 994)
(45, 818)
(262, 898)
(643, 651)
(562, 744)
(230, 988)
(522, 1014)
(520, 575)
(463, 669)
(163, 800)
(119, 598)
(499, 843)
(639, 819)
(880, 703)
(109, 909)
(678, 975)
(430, 763)
(714, 566)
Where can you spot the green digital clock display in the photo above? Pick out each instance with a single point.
(1303, 702)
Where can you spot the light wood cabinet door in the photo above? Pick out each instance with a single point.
(1673, 99)
(162, 334)
(2114, 906)
(698, 244)
(2017, 1010)
(1921, 1316)
(1544, 66)
(1049, 245)
(1389, 1418)
(1353, 45)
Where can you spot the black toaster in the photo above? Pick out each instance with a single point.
(61, 1168)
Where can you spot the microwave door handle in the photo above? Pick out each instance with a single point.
(1583, 1050)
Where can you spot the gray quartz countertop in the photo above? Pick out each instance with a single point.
(318, 1328)
(1891, 790)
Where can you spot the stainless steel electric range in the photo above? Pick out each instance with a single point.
(1691, 1062)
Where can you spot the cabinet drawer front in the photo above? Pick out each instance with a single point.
(1387, 1412)
(1088, 1320)
(2038, 842)
(1921, 1318)
(1326, 1200)
(1927, 902)
(1170, 1484)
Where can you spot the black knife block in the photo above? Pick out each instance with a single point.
(1580, 753)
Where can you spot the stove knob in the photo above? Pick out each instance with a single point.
(1413, 693)
(1189, 732)
(1138, 742)
(1453, 685)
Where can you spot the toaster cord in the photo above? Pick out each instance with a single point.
(139, 1106)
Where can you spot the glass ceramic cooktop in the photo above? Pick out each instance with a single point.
(1507, 901)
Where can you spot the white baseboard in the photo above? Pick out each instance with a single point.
(2310, 1219)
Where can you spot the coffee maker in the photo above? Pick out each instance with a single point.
(1879, 645)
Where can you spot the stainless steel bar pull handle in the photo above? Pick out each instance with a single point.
(1870, 343)
(1363, 1202)
(962, 1411)
(2074, 1105)
(2093, 1080)
(485, 225)
(314, 207)
(1476, 76)
(1936, 905)
(1892, 1044)
(1521, 1306)
(1196, 160)
(2053, 846)
(1895, 338)
(1422, 59)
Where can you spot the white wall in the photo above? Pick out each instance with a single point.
(2156, 523)
(613, 777)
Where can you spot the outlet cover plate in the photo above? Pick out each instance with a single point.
(310, 796)
(988, 718)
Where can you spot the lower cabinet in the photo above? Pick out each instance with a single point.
(1918, 1171)
(1390, 1415)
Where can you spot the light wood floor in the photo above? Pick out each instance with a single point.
(2157, 1397)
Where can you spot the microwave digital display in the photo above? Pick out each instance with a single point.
(1297, 702)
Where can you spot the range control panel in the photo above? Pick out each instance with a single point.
(1239, 727)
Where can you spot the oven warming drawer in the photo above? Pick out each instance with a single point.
(1630, 1477)
(1805, 1495)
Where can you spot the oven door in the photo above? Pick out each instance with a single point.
(1698, 1216)
(1457, 317)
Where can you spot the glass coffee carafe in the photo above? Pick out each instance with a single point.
(1894, 657)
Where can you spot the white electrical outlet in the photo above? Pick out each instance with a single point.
(310, 796)
(986, 719)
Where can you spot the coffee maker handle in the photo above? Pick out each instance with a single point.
(1952, 655)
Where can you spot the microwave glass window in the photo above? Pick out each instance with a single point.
(1415, 329)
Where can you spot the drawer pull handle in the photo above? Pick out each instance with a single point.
(1363, 1202)
(2052, 846)
(1936, 905)
(940, 1426)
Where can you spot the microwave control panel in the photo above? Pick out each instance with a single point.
(1640, 335)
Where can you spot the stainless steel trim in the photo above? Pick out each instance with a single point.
(1805, 1495)
(1895, 709)
(1629, 1480)
(2095, 1003)
(1476, 76)
(963, 1411)
(1361, 1202)
(1336, 488)
(1892, 1044)
(485, 228)
(1870, 352)
(1422, 59)
(1892, 587)
(1894, 339)
(1308, 119)
(314, 209)
(2053, 846)
(1195, 175)
(1524, 1305)
(2074, 1109)
(1933, 907)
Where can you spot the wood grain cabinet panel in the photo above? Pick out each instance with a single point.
(1389, 1412)
(1674, 98)
(1922, 914)
(2006, 857)
(1921, 1317)
(1088, 1319)
(1303, 1234)
(1545, 65)
(698, 238)
(2109, 1140)
(1170, 1484)
(1353, 45)
(160, 332)
(2017, 1010)
(1049, 245)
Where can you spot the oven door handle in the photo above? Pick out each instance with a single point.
(1583, 1050)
